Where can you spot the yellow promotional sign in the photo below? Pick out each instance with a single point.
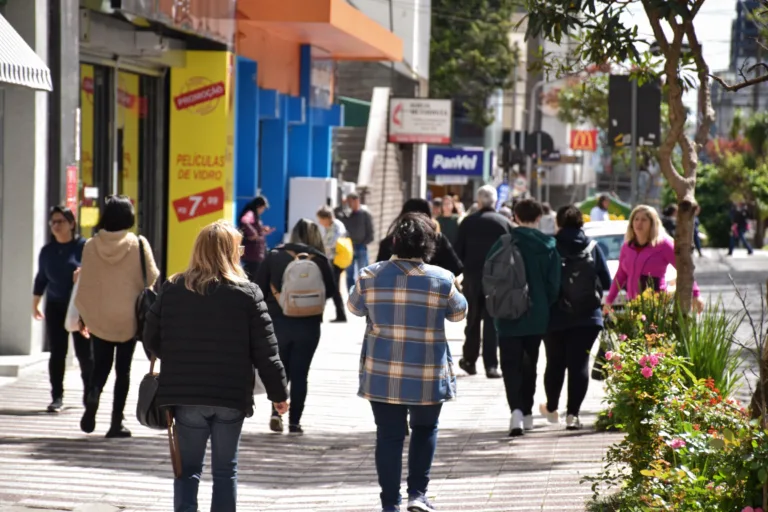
(201, 167)
(128, 124)
(89, 212)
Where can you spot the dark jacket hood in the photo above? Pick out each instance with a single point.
(533, 240)
(571, 241)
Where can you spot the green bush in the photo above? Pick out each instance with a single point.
(714, 197)
(707, 343)
(687, 447)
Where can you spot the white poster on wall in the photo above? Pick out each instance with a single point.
(420, 121)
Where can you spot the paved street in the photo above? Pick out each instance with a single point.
(47, 463)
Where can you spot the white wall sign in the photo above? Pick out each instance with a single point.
(420, 121)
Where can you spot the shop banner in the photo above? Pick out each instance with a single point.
(201, 148)
(72, 188)
(445, 161)
(128, 137)
(89, 207)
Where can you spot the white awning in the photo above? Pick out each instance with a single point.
(19, 64)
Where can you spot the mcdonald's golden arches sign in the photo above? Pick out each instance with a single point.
(584, 140)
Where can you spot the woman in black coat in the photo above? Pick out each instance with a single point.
(444, 257)
(210, 328)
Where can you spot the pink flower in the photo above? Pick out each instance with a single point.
(750, 509)
(653, 360)
(608, 355)
(676, 444)
(647, 372)
(643, 318)
(617, 367)
(622, 337)
(644, 361)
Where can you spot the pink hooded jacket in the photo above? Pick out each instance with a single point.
(634, 265)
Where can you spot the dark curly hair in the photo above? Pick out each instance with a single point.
(414, 237)
(570, 217)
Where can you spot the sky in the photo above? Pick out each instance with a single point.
(713, 26)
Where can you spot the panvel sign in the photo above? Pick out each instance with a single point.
(201, 165)
(455, 161)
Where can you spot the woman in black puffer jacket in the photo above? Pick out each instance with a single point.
(210, 328)
(445, 257)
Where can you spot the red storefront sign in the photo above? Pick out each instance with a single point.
(200, 204)
(584, 140)
(72, 188)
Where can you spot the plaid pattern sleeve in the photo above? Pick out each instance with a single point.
(356, 302)
(405, 357)
(457, 305)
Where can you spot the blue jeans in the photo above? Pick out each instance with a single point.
(390, 437)
(195, 424)
(735, 241)
(359, 262)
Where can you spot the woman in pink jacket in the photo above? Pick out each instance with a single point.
(644, 257)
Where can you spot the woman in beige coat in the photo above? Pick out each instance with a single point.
(110, 283)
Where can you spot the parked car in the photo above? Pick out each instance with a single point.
(610, 237)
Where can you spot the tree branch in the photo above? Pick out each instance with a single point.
(741, 85)
(705, 93)
(658, 32)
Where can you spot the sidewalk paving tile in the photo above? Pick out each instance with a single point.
(47, 463)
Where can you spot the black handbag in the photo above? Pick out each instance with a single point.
(147, 412)
(147, 297)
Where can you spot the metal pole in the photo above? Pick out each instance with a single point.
(633, 168)
(538, 166)
(531, 110)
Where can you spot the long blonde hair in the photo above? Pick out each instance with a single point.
(656, 233)
(215, 258)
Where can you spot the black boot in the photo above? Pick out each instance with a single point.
(88, 421)
(118, 430)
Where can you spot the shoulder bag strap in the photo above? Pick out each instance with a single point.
(143, 262)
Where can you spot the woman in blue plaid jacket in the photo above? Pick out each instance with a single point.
(406, 364)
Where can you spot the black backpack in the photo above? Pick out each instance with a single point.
(581, 291)
(504, 282)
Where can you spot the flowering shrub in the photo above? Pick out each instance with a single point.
(687, 447)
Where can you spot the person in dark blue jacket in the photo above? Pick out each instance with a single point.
(58, 262)
(571, 335)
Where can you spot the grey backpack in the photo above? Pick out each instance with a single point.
(504, 282)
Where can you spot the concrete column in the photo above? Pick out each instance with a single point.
(64, 61)
(24, 205)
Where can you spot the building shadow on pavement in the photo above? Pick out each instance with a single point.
(323, 459)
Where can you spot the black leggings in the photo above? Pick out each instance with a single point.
(341, 312)
(297, 340)
(568, 350)
(58, 342)
(106, 353)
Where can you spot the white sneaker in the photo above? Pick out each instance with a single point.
(517, 424)
(552, 417)
(528, 422)
(572, 422)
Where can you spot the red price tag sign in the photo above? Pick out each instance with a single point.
(71, 186)
(199, 204)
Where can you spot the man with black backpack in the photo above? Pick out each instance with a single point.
(576, 319)
(521, 280)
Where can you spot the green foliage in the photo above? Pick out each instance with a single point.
(707, 343)
(471, 56)
(586, 102)
(688, 446)
(715, 202)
